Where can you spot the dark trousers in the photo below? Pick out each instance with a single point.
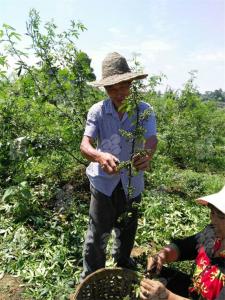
(107, 213)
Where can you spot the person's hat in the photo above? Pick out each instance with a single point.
(115, 69)
(217, 200)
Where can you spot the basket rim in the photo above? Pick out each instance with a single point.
(88, 279)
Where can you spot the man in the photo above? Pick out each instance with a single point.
(109, 187)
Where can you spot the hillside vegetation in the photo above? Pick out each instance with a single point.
(43, 188)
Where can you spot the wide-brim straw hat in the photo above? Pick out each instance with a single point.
(217, 200)
(115, 69)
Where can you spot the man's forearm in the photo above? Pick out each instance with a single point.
(88, 151)
(107, 161)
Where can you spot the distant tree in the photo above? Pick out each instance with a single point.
(217, 95)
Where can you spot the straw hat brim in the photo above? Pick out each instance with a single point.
(217, 200)
(111, 80)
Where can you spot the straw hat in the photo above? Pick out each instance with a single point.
(115, 69)
(217, 200)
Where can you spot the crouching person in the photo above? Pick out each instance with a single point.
(208, 250)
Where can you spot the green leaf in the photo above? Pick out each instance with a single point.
(9, 192)
(26, 194)
(16, 35)
(6, 26)
(2, 60)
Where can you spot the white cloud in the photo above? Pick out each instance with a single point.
(139, 29)
(149, 52)
(217, 56)
(169, 67)
(114, 30)
(156, 45)
(161, 56)
(148, 46)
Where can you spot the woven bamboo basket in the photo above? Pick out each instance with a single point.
(108, 284)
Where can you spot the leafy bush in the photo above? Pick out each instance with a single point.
(191, 132)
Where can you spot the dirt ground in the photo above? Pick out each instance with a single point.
(11, 288)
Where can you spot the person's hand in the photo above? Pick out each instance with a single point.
(108, 162)
(153, 290)
(167, 254)
(141, 162)
(157, 261)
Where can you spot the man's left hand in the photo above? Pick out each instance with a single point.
(141, 162)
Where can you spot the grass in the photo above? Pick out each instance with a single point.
(46, 250)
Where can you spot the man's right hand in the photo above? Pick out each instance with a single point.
(108, 162)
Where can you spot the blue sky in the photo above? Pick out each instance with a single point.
(172, 36)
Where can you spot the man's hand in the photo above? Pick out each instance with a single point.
(108, 162)
(141, 162)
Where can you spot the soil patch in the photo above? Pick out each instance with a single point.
(11, 288)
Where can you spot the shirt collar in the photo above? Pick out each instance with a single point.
(110, 109)
(109, 106)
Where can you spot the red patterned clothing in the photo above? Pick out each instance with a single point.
(208, 280)
(209, 276)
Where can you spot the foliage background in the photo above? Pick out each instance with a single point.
(43, 187)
